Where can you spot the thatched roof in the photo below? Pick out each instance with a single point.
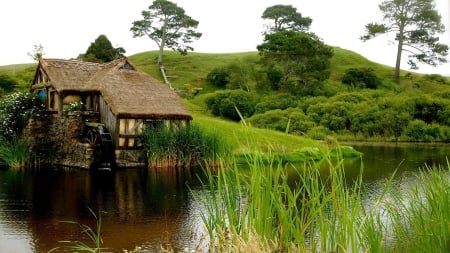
(127, 91)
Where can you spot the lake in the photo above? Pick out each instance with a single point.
(147, 208)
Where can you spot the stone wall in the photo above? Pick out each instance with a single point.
(57, 140)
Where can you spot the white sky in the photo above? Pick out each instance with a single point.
(66, 28)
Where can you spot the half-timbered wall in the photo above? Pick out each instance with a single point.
(129, 130)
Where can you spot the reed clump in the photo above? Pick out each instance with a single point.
(318, 210)
(14, 153)
(178, 146)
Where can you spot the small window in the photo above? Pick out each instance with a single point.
(127, 67)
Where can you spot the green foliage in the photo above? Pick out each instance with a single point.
(101, 50)
(318, 210)
(276, 101)
(334, 115)
(7, 84)
(285, 17)
(15, 110)
(219, 77)
(318, 133)
(436, 78)
(361, 78)
(182, 146)
(417, 130)
(167, 24)
(14, 153)
(275, 77)
(416, 25)
(228, 103)
(304, 58)
(291, 120)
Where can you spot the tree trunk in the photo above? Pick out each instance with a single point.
(398, 61)
(399, 54)
(163, 43)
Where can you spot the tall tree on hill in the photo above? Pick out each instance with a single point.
(285, 17)
(416, 25)
(168, 26)
(303, 58)
(101, 50)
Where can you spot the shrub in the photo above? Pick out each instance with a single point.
(228, 103)
(333, 115)
(7, 83)
(361, 78)
(427, 109)
(350, 97)
(435, 78)
(219, 77)
(417, 130)
(278, 101)
(291, 120)
(15, 110)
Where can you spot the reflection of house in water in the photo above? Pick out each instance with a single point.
(115, 98)
(136, 208)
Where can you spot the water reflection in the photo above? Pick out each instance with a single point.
(139, 208)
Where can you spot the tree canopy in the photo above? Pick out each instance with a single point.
(101, 50)
(303, 58)
(285, 17)
(168, 26)
(416, 25)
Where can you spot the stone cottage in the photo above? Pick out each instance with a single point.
(93, 105)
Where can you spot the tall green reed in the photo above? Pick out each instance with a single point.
(94, 242)
(14, 154)
(182, 146)
(419, 212)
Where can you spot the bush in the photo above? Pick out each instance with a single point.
(228, 103)
(219, 77)
(7, 83)
(291, 120)
(427, 109)
(15, 110)
(435, 78)
(417, 130)
(361, 78)
(278, 101)
(334, 115)
(318, 133)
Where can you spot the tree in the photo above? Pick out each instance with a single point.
(38, 52)
(101, 50)
(416, 25)
(285, 17)
(168, 26)
(303, 58)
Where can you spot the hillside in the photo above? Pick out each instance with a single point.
(340, 111)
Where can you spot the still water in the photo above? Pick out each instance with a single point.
(145, 208)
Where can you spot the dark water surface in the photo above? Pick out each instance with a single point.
(144, 208)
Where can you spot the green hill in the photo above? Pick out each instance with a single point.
(188, 72)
